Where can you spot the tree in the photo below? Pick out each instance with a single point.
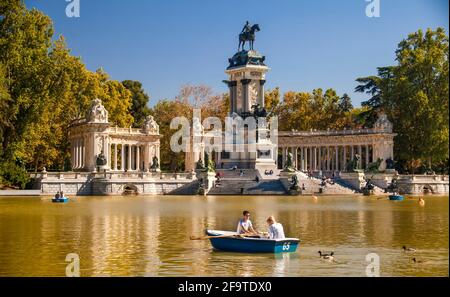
(140, 100)
(345, 103)
(414, 94)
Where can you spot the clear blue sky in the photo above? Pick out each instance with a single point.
(308, 43)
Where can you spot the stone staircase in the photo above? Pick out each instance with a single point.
(313, 186)
(232, 183)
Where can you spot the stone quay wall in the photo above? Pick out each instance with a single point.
(109, 183)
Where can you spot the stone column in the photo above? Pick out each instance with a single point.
(122, 157)
(294, 157)
(302, 157)
(83, 153)
(74, 164)
(315, 159)
(79, 153)
(367, 155)
(337, 158)
(146, 157)
(328, 158)
(344, 157)
(352, 152)
(129, 157)
(138, 161)
(245, 84)
(306, 157)
(283, 158)
(115, 156)
(261, 94)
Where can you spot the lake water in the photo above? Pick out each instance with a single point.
(149, 236)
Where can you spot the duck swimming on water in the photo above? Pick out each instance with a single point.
(329, 256)
(408, 249)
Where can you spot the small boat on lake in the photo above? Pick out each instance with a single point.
(396, 197)
(60, 200)
(232, 242)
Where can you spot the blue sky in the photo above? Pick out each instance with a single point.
(308, 43)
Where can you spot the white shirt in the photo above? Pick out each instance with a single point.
(243, 226)
(276, 231)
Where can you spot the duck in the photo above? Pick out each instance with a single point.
(421, 201)
(408, 249)
(329, 256)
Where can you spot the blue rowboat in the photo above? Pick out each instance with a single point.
(251, 244)
(396, 197)
(60, 200)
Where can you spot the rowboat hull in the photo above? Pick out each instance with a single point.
(396, 197)
(250, 244)
(60, 200)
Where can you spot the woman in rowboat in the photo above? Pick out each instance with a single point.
(275, 229)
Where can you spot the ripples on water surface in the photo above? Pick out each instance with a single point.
(149, 236)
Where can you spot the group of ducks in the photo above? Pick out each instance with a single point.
(413, 250)
(330, 256)
(421, 200)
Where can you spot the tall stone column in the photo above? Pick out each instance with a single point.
(352, 152)
(302, 159)
(261, 93)
(83, 153)
(315, 159)
(328, 158)
(283, 157)
(245, 84)
(75, 155)
(129, 157)
(305, 149)
(367, 155)
(344, 157)
(319, 157)
(78, 153)
(337, 158)
(122, 157)
(138, 161)
(115, 156)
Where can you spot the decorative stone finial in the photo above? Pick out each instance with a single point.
(383, 123)
(97, 112)
(150, 125)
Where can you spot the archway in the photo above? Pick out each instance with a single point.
(427, 189)
(130, 189)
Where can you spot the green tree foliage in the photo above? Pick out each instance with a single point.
(43, 88)
(139, 108)
(414, 94)
(317, 110)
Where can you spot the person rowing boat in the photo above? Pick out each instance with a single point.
(245, 225)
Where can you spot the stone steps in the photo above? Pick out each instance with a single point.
(251, 187)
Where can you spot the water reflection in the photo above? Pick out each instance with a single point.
(149, 236)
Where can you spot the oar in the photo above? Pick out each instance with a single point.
(220, 236)
(208, 237)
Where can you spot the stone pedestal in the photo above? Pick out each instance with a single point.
(206, 179)
(381, 180)
(285, 179)
(353, 179)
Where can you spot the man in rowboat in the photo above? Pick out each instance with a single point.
(245, 225)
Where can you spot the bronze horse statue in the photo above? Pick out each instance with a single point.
(248, 36)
